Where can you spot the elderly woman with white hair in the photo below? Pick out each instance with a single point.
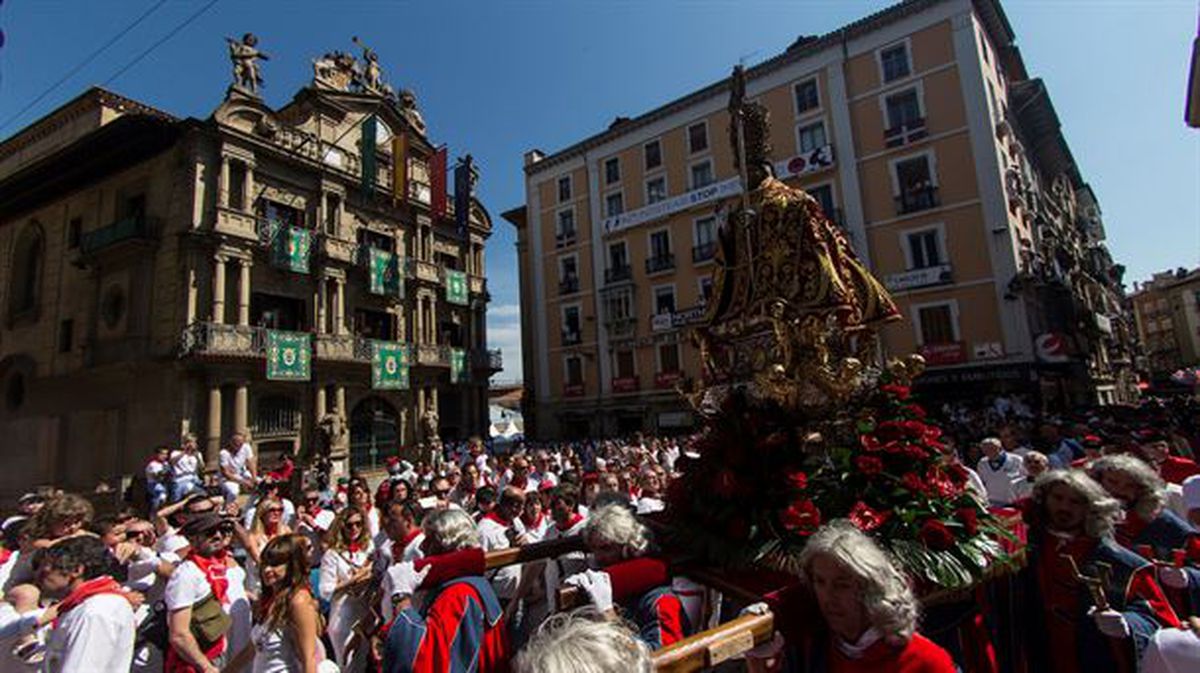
(1069, 624)
(583, 641)
(1150, 528)
(868, 610)
(460, 625)
(626, 575)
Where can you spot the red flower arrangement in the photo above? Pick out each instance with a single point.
(936, 535)
(869, 464)
(865, 518)
(802, 517)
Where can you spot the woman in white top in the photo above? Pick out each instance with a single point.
(287, 622)
(344, 578)
(186, 467)
(360, 497)
(267, 525)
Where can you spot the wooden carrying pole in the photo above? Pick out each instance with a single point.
(710, 648)
(532, 552)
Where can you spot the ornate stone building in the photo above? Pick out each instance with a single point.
(266, 269)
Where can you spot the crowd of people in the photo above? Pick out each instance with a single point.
(247, 569)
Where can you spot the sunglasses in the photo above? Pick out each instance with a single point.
(354, 523)
(220, 530)
(441, 493)
(273, 510)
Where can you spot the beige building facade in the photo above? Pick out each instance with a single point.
(149, 260)
(919, 132)
(1167, 310)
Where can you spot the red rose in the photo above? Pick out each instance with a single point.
(932, 433)
(913, 483)
(958, 473)
(802, 517)
(889, 431)
(915, 452)
(941, 484)
(798, 481)
(935, 535)
(869, 443)
(869, 464)
(865, 518)
(897, 391)
(725, 483)
(914, 429)
(915, 410)
(970, 520)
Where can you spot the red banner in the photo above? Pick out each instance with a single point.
(437, 183)
(573, 390)
(667, 379)
(952, 353)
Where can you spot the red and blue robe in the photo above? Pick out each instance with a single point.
(459, 629)
(919, 655)
(642, 589)
(1061, 636)
(1164, 539)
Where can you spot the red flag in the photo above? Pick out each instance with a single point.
(437, 179)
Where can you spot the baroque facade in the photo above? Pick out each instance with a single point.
(262, 269)
(920, 132)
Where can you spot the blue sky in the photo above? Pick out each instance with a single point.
(498, 78)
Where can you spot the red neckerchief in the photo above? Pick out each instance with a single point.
(93, 587)
(519, 484)
(314, 510)
(493, 516)
(535, 524)
(576, 517)
(271, 529)
(214, 569)
(412, 535)
(354, 547)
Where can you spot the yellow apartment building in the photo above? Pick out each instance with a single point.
(921, 133)
(1167, 311)
(248, 271)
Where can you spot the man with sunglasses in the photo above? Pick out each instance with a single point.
(207, 574)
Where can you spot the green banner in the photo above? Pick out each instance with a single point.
(456, 287)
(458, 366)
(389, 365)
(291, 247)
(385, 273)
(370, 166)
(289, 356)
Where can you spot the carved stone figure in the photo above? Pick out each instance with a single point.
(334, 437)
(335, 70)
(244, 55)
(429, 425)
(408, 107)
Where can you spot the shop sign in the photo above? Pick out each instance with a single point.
(937, 355)
(654, 211)
(667, 379)
(1051, 347)
(666, 321)
(934, 275)
(814, 160)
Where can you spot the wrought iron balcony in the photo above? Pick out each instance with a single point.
(568, 285)
(914, 200)
(618, 274)
(139, 228)
(660, 263)
(704, 252)
(432, 355)
(209, 338)
(907, 132)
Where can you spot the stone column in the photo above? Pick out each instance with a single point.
(241, 407)
(212, 449)
(339, 307)
(339, 401)
(244, 292)
(224, 181)
(322, 302)
(218, 289)
(248, 188)
(192, 293)
(320, 403)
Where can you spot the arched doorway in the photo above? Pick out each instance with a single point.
(374, 433)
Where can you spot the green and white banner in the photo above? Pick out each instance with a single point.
(389, 365)
(456, 287)
(289, 356)
(458, 366)
(385, 273)
(292, 246)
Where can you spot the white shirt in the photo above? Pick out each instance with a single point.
(1004, 484)
(648, 505)
(337, 567)
(185, 464)
(155, 471)
(493, 536)
(238, 463)
(97, 635)
(188, 586)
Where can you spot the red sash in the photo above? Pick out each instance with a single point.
(93, 587)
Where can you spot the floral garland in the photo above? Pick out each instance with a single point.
(877, 463)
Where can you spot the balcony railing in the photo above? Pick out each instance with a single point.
(127, 229)
(424, 271)
(704, 252)
(913, 200)
(660, 263)
(220, 339)
(625, 384)
(908, 132)
(571, 338)
(343, 347)
(433, 355)
(618, 274)
(564, 238)
(568, 285)
(477, 284)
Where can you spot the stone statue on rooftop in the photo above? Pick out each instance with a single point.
(244, 55)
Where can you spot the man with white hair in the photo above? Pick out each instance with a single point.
(1067, 626)
(583, 641)
(460, 626)
(1151, 529)
(629, 578)
(1003, 473)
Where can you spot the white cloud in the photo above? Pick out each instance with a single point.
(504, 311)
(504, 332)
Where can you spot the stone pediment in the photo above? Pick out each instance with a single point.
(248, 114)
